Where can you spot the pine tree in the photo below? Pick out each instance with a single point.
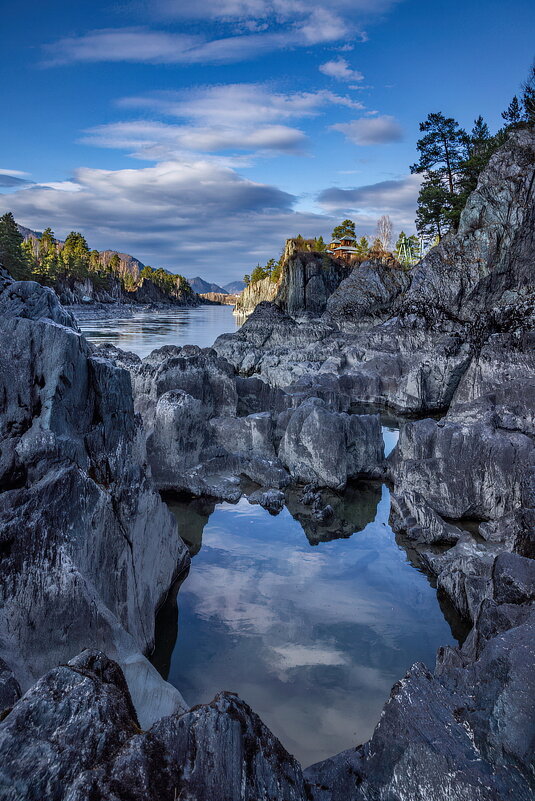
(75, 256)
(320, 245)
(513, 115)
(443, 147)
(362, 247)
(434, 206)
(346, 227)
(12, 256)
(528, 95)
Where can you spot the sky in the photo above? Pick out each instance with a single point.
(198, 136)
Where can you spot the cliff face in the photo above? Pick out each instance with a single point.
(254, 294)
(80, 522)
(308, 280)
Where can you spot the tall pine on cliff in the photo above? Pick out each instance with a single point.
(12, 256)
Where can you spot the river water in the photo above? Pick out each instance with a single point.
(311, 626)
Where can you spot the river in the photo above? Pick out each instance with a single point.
(310, 626)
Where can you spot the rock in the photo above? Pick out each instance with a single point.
(9, 689)
(80, 520)
(513, 578)
(366, 297)
(308, 280)
(179, 438)
(249, 435)
(75, 736)
(272, 499)
(328, 448)
(420, 523)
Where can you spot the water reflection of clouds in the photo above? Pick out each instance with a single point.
(312, 637)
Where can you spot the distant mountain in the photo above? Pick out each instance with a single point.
(27, 233)
(201, 287)
(234, 287)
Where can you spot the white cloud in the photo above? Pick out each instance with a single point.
(261, 26)
(365, 204)
(380, 130)
(339, 68)
(232, 117)
(156, 212)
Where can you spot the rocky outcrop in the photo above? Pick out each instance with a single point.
(308, 279)
(75, 735)
(327, 448)
(80, 521)
(254, 293)
(367, 296)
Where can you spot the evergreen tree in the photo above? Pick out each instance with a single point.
(95, 265)
(346, 227)
(443, 147)
(114, 263)
(12, 256)
(513, 115)
(362, 246)
(75, 256)
(320, 245)
(528, 95)
(434, 206)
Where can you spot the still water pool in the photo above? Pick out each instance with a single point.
(312, 632)
(310, 624)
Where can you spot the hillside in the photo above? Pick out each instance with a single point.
(202, 287)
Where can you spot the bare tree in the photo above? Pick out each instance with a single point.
(384, 231)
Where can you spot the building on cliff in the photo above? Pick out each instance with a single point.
(344, 247)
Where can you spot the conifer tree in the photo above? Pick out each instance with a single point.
(528, 95)
(362, 246)
(443, 147)
(513, 115)
(434, 206)
(12, 256)
(346, 227)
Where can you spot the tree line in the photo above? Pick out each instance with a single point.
(51, 262)
(451, 160)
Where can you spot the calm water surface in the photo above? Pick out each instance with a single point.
(146, 331)
(311, 631)
(310, 624)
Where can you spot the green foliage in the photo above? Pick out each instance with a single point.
(513, 115)
(272, 270)
(345, 227)
(362, 247)
(528, 96)
(246, 279)
(12, 255)
(320, 245)
(171, 283)
(443, 147)
(433, 216)
(75, 256)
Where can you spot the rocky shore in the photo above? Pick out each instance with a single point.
(88, 550)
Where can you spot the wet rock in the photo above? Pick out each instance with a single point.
(272, 500)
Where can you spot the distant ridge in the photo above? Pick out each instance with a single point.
(234, 287)
(201, 287)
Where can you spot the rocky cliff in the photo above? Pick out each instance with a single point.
(80, 521)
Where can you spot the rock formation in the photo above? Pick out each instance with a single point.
(81, 522)
(79, 518)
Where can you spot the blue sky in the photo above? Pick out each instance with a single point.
(198, 136)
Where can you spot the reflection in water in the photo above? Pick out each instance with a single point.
(146, 331)
(312, 638)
